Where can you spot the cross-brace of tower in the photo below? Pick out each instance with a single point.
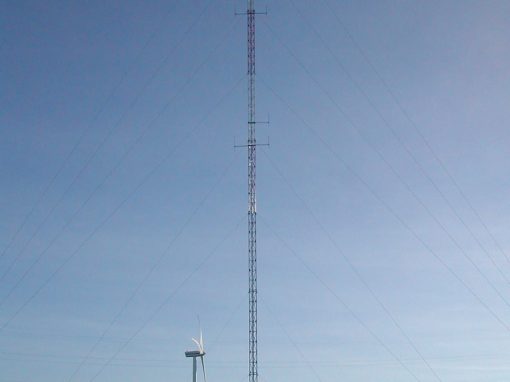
(252, 200)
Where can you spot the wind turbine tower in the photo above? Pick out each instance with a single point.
(199, 353)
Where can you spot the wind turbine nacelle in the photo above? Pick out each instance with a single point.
(194, 353)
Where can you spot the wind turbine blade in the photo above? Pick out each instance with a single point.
(198, 344)
(201, 341)
(203, 368)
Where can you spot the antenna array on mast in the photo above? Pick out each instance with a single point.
(252, 200)
(251, 145)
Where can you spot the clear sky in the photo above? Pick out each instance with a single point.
(382, 200)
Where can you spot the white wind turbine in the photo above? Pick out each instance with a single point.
(200, 352)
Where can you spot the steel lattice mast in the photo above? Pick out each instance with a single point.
(252, 200)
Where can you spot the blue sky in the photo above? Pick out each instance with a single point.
(123, 201)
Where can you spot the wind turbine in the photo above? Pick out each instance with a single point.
(200, 352)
